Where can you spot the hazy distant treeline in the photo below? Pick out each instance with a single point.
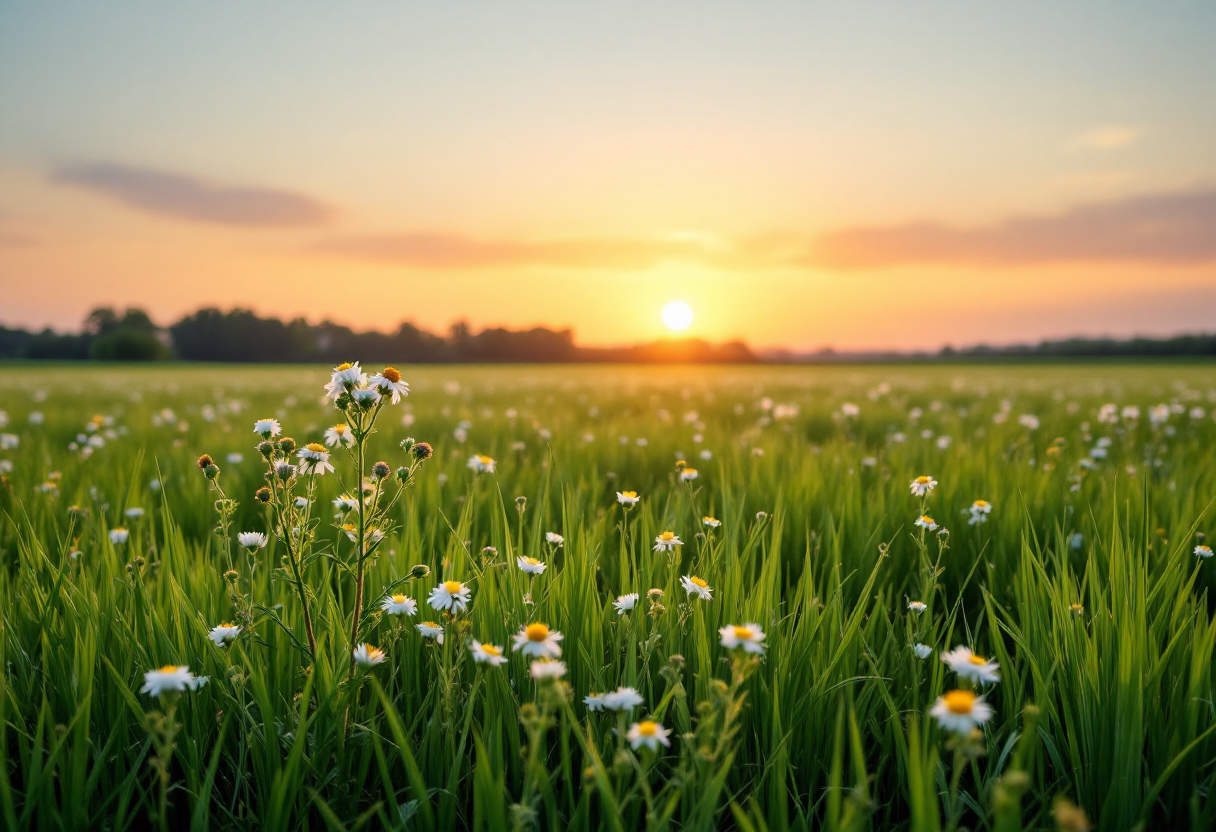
(242, 336)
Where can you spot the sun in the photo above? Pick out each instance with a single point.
(677, 315)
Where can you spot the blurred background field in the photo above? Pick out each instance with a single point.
(808, 468)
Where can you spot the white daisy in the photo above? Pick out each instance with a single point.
(481, 463)
(339, 433)
(1202, 551)
(623, 699)
(118, 535)
(223, 634)
(922, 651)
(344, 378)
(970, 666)
(538, 640)
(627, 498)
(251, 540)
(961, 711)
(594, 701)
(346, 503)
(625, 603)
(696, 586)
(487, 653)
(267, 427)
(429, 629)
(450, 595)
(710, 522)
(547, 669)
(666, 542)
(171, 679)
(980, 510)
(366, 396)
(314, 459)
(388, 382)
(554, 538)
(530, 565)
(688, 475)
(917, 606)
(922, 485)
(399, 605)
(926, 522)
(748, 636)
(368, 656)
(649, 734)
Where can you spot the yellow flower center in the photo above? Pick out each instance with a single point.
(340, 427)
(923, 480)
(430, 624)
(453, 587)
(959, 701)
(688, 471)
(373, 652)
(648, 728)
(629, 494)
(531, 561)
(350, 527)
(708, 519)
(927, 520)
(490, 650)
(391, 374)
(398, 599)
(341, 367)
(698, 582)
(537, 632)
(226, 626)
(744, 633)
(315, 447)
(667, 535)
(980, 504)
(169, 668)
(977, 659)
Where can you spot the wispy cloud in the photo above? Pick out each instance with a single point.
(189, 198)
(454, 251)
(1109, 137)
(1161, 228)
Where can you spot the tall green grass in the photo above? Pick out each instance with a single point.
(1112, 708)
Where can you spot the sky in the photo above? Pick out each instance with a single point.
(861, 176)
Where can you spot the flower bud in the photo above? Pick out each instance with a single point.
(403, 474)
(287, 445)
(422, 451)
(262, 495)
(381, 470)
(204, 461)
(212, 471)
(420, 570)
(266, 448)
(407, 443)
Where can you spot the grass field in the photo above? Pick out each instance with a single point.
(1082, 584)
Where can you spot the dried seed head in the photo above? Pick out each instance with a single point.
(204, 461)
(262, 495)
(381, 470)
(422, 451)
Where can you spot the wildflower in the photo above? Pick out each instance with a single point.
(223, 634)
(1202, 551)
(339, 434)
(688, 475)
(314, 459)
(267, 428)
(388, 382)
(926, 522)
(747, 636)
(530, 565)
(980, 510)
(429, 629)
(923, 486)
(548, 669)
(487, 653)
(481, 463)
(623, 699)
(251, 540)
(344, 378)
(450, 595)
(922, 651)
(1076, 609)
(284, 470)
(696, 586)
(625, 603)
(538, 640)
(917, 606)
(627, 498)
(667, 542)
(171, 679)
(710, 522)
(649, 734)
(970, 666)
(134, 513)
(399, 605)
(346, 503)
(554, 538)
(961, 711)
(118, 535)
(594, 701)
(262, 495)
(368, 656)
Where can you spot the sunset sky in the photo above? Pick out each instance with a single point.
(866, 175)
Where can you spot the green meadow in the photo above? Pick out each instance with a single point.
(800, 684)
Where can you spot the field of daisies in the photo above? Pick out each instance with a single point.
(537, 598)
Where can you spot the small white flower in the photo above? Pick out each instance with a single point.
(344, 378)
(267, 428)
(346, 503)
(922, 651)
(481, 463)
(530, 565)
(235, 458)
(118, 535)
(539, 641)
(710, 522)
(922, 485)
(748, 636)
(450, 595)
(339, 434)
(223, 634)
(649, 734)
(688, 475)
(625, 603)
(251, 540)
(389, 383)
(961, 711)
(667, 542)
(594, 701)
(548, 669)
(399, 605)
(917, 606)
(301, 502)
(696, 586)
(134, 513)
(314, 459)
(429, 629)
(368, 656)
(487, 653)
(1202, 551)
(554, 538)
(623, 699)
(970, 666)
(926, 522)
(627, 498)
(980, 510)
(171, 679)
